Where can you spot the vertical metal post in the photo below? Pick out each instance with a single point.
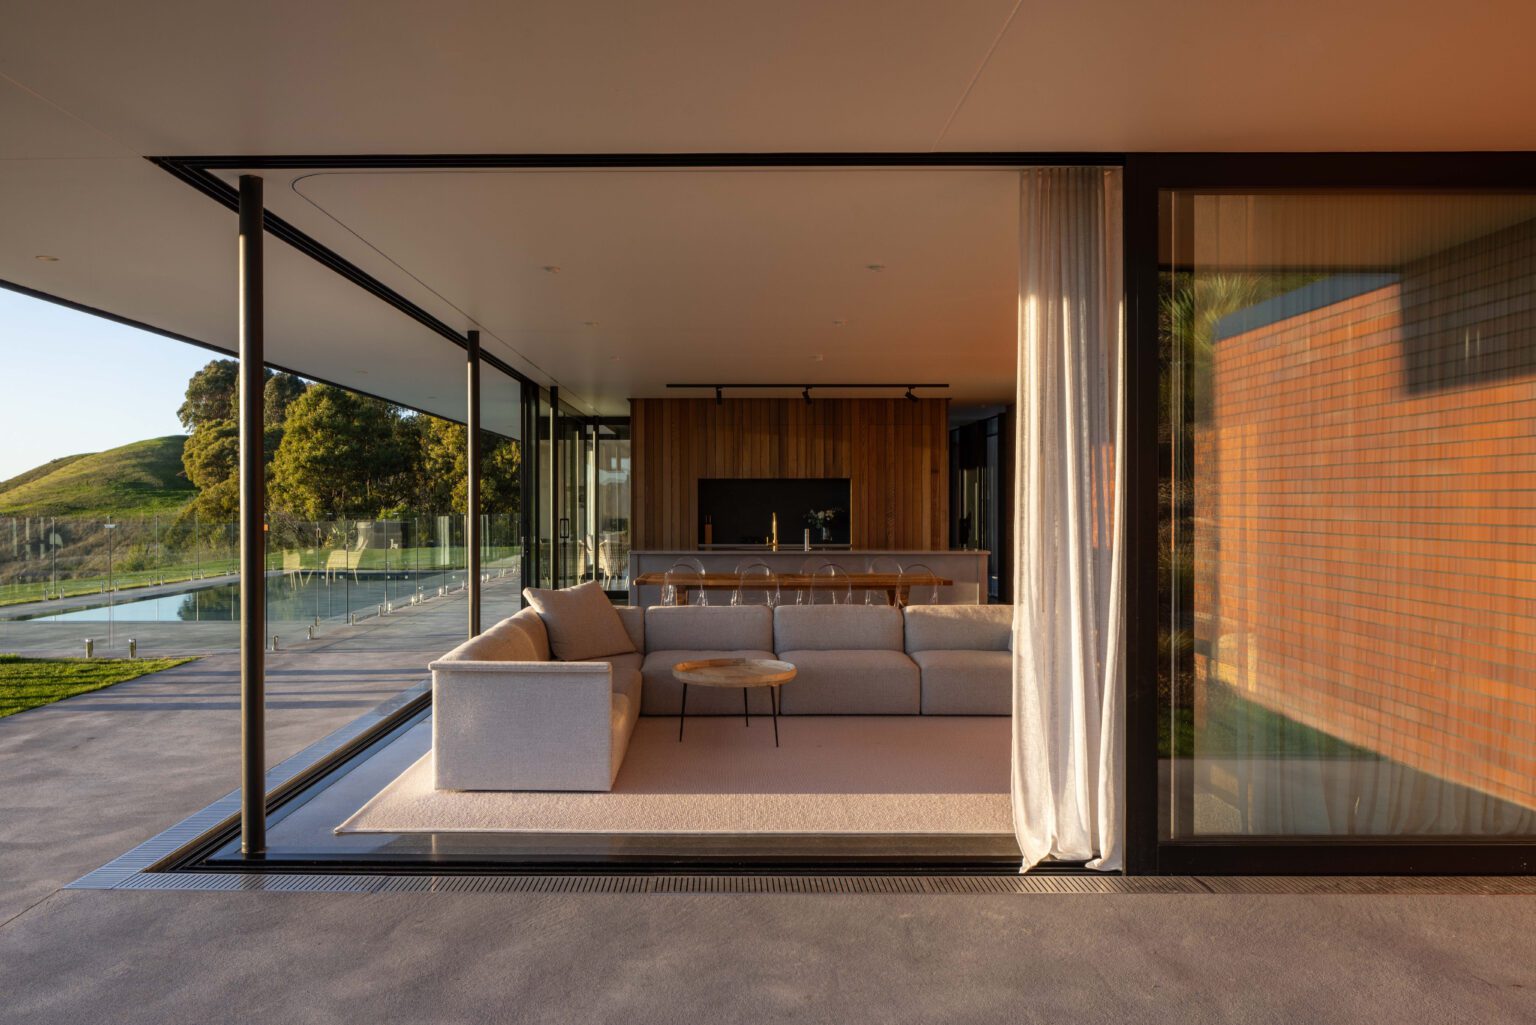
(253, 578)
(527, 498)
(472, 501)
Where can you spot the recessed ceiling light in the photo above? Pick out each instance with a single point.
(590, 323)
(877, 267)
(817, 358)
(839, 323)
(363, 372)
(550, 268)
(614, 359)
(47, 259)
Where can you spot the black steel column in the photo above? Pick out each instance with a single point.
(253, 577)
(528, 492)
(472, 501)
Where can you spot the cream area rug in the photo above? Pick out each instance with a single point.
(833, 774)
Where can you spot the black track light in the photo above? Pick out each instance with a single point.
(806, 395)
(719, 396)
(910, 396)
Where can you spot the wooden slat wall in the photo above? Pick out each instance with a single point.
(895, 453)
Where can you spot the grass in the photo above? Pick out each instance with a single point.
(1235, 727)
(32, 682)
(141, 478)
(178, 572)
(38, 472)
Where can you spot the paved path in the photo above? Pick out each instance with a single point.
(84, 779)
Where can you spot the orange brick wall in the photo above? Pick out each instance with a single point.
(1366, 496)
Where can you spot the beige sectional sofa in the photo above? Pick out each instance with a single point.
(964, 653)
(681, 633)
(848, 660)
(506, 716)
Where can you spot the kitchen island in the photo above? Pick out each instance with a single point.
(966, 569)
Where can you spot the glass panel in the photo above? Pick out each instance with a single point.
(1349, 514)
(544, 514)
(613, 494)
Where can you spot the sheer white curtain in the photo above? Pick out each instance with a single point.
(1068, 632)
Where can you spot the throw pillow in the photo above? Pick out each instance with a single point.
(581, 621)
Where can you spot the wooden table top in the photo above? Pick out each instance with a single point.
(757, 581)
(734, 672)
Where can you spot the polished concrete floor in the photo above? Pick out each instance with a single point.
(110, 956)
(83, 780)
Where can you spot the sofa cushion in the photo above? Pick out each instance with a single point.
(836, 628)
(505, 642)
(708, 627)
(581, 621)
(626, 674)
(966, 682)
(535, 636)
(958, 627)
(849, 682)
(663, 692)
(633, 618)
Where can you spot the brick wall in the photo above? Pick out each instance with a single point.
(1366, 516)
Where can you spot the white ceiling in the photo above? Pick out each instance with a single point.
(90, 88)
(752, 276)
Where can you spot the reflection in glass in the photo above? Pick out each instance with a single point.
(1348, 554)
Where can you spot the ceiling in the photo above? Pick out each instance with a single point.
(88, 89)
(617, 283)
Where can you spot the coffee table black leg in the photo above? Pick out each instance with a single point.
(682, 712)
(746, 713)
(773, 703)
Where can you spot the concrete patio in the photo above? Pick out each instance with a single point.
(83, 780)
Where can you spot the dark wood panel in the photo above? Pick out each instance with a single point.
(895, 453)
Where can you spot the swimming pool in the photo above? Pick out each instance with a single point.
(288, 598)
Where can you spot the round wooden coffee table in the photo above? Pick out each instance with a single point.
(734, 672)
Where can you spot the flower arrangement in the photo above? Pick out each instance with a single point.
(822, 519)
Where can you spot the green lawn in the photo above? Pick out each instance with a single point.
(1235, 727)
(30, 682)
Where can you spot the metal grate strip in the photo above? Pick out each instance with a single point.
(1464, 885)
(977, 885)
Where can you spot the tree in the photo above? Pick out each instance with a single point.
(211, 461)
(211, 458)
(442, 483)
(340, 457)
(211, 395)
(277, 395)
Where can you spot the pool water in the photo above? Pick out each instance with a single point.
(287, 599)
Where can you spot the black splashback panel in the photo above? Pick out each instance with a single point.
(741, 508)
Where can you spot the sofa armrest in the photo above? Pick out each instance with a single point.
(522, 725)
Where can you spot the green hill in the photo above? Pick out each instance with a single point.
(142, 477)
(38, 471)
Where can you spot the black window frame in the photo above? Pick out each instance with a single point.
(1147, 177)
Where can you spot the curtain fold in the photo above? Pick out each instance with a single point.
(1068, 633)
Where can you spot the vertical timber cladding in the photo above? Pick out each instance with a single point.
(895, 452)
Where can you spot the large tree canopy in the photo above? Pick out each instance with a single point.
(444, 467)
(210, 395)
(335, 454)
(341, 456)
(211, 458)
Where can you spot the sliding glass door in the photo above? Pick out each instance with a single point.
(1346, 645)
